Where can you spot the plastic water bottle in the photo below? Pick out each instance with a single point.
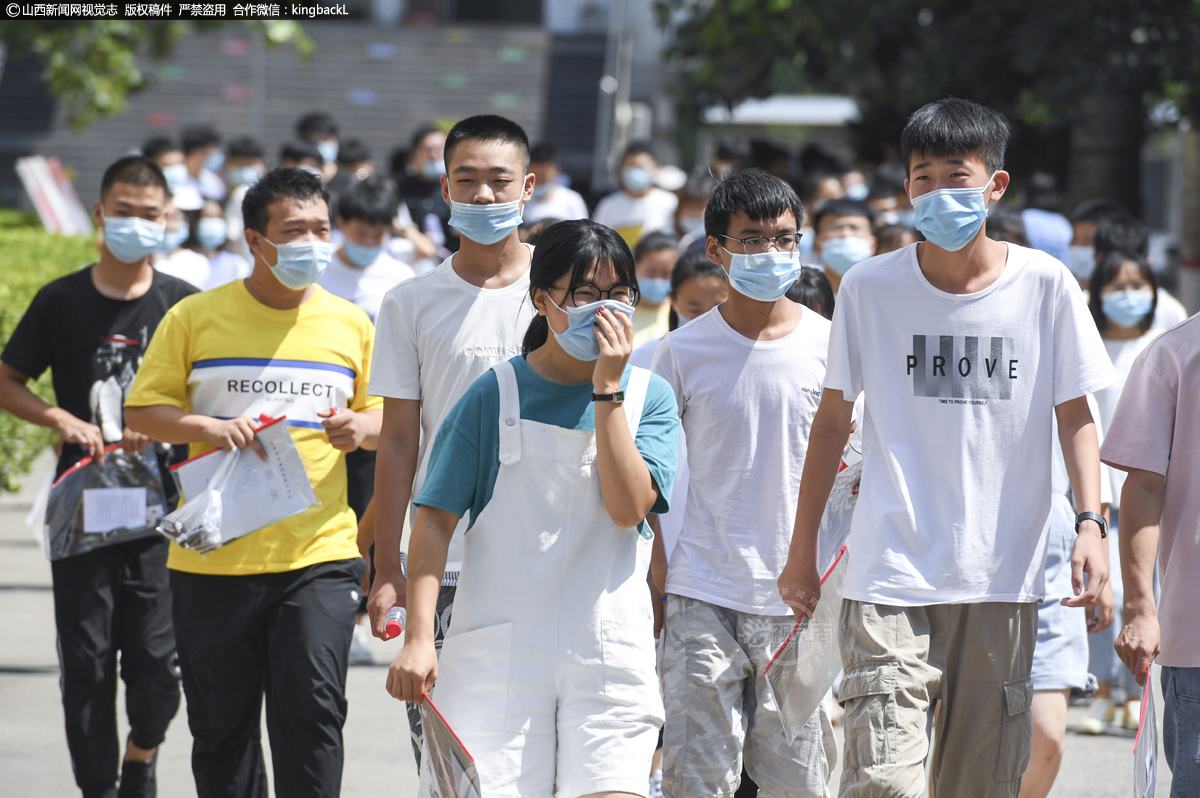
(393, 625)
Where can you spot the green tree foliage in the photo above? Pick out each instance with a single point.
(92, 66)
(1032, 59)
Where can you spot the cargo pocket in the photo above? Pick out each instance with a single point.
(1016, 729)
(869, 696)
(473, 676)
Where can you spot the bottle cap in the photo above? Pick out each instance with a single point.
(393, 629)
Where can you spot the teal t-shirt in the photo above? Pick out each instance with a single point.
(465, 458)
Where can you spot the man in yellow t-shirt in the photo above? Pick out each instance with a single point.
(270, 613)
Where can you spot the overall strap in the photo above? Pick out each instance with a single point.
(635, 398)
(510, 414)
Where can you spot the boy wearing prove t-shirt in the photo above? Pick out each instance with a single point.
(747, 378)
(269, 614)
(442, 330)
(91, 329)
(963, 347)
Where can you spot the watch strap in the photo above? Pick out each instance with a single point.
(1090, 516)
(616, 397)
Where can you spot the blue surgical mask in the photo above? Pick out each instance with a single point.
(432, 170)
(299, 264)
(176, 175)
(242, 175)
(214, 161)
(485, 224)
(579, 339)
(1127, 308)
(173, 240)
(637, 179)
(130, 239)
(950, 217)
(655, 290)
(541, 192)
(1082, 262)
(211, 232)
(839, 254)
(360, 255)
(766, 276)
(857, 191)
(328, 150)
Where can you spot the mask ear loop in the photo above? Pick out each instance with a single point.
(560, 307)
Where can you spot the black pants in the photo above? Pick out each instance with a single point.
(360, 480)
(285, 636)
(109, 600)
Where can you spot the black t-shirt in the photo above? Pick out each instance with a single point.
(93, 346)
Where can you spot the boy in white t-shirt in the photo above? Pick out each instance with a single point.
(441, 330)
(551, 199)
(747, 376)
(963, 346)
(639, 207)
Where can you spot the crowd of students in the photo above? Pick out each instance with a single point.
(613, 440)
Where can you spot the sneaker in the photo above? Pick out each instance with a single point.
(656, 784)
(360, 654)
(1133, 715)
(1100, 714)
(137, 779)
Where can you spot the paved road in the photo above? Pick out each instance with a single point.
(33, 752)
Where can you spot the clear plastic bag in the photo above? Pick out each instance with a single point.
(451, 768)
(96, 504)
(196, 525)
(1145, 745)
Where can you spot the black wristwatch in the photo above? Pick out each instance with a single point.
(616, 398)
(1099, 519)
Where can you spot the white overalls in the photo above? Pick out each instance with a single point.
(547, 671)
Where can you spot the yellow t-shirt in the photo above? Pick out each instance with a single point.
(650, 324)
(223, 353)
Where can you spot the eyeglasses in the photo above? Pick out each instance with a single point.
(587, 294)
(755, 245)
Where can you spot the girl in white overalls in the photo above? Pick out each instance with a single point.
(547, 671)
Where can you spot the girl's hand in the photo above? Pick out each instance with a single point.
(413, 672)
(615, 333)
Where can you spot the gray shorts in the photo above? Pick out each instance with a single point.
(720, 714)
(899, 661)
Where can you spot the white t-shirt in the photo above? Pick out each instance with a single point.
(437, 334)
(364, 287)
(746, 408)
(562, 204)
(1122, 354)
(633, 217)
(225, 267)
(189, 266)
(670, 524)
(960, 389)
(1169, 312)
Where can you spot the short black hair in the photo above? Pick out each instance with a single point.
(157, 145)
(576, 248)
(638, 148)
(814, 291)
(318, 122)
(543, 152)
(135, 170)
(1095, 209)
(488, 127)
(888, 236)
(420, 133)
(843, 207)
(245, 147)
(1122, 233)
(353, 151)
(654, 242)
(373, 201)
(1105, 271)
(299, 184)
(300, 150)
(194, 137)
(954, 126)
(753, 192)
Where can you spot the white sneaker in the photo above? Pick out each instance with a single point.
(359, 653)
(1099, 715)
(1132, 716)
(656, 784)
